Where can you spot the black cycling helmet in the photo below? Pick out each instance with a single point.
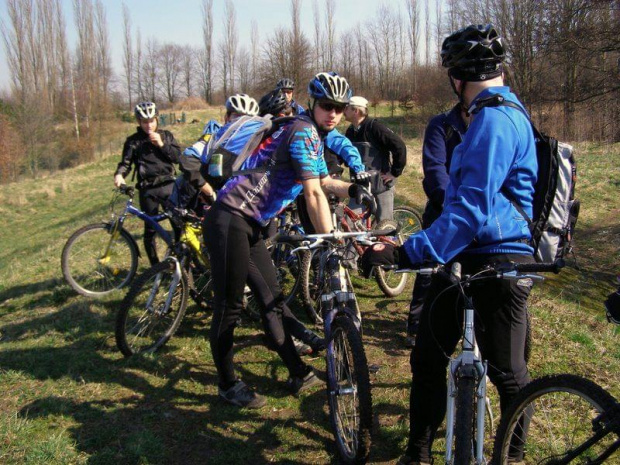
(471, 46)
(285, 83)
(330, 86)
(272, 103)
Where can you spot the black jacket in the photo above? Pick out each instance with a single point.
(153, 164)
(391, 148)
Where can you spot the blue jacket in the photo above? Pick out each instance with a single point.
(498, 151)
(443, 133)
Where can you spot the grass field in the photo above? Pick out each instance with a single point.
(70, 397)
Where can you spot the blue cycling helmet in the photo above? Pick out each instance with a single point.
(211, 127)
(330, 86)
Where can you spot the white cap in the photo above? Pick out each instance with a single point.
(357, 101)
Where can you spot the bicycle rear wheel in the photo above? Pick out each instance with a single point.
(464, 420)
(152, 310)
(409, 219)
(550, 418)
(96, 262)
(348, 391)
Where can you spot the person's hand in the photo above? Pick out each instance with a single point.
(156, 139)
(362, 178)
(363, 197)
(119, 180)
(388, 179)
(383, 254)
(208, 194)
(378, 255)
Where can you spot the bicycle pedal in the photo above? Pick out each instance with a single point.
(374, 368)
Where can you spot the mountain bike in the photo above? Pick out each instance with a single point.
(559, 419)
(467, 400)
(156, 302)
(345, 219)
(100, 258)
(348, 381)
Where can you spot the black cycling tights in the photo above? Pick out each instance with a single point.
(150, 200)
(501, 326)
(236, 250)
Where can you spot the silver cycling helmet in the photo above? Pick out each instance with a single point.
(242, 104)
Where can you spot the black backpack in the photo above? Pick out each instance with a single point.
(555, 209)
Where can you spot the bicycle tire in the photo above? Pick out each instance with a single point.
(391, 284)
(464, 420)
(348, 391)
(288, 268)
(409, 219)
(310, 287)
(145, 322)
(562, 406)
(200, 284)
(87, 272)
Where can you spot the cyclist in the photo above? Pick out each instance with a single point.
(381, 151)
(444, 132)
(153, 152)
(478, 226)
(287, 86)
(232, 230)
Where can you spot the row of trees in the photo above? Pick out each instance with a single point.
(563, 60)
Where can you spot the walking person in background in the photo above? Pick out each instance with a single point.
(444, 132)
(153, 153)
(381, 151)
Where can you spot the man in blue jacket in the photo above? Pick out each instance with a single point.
(444, 132)
(477, 227)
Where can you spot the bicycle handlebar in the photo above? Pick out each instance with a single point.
(553, 267)
(332, 236)
(127, 190)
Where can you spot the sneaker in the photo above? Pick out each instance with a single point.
(301, 347)
(296, 385)
(242, 396)
(316, 343)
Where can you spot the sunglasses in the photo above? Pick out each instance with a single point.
(329, 106)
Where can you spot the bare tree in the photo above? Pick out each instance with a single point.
(150, 69)
(187, 69)
(127, 53)
(255, 53)
(206, 57)
(413, 34)
(330, 14)
(244, 70)
(170, 63)
(427, 32)
(316, 14)
(138, 66)
(229, 46)
(438, 31)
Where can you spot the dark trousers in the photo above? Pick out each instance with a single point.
(150, 200)
(238, 254)
(500, 323)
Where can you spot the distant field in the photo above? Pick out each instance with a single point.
(69, 397)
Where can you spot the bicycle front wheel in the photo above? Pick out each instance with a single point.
(311, 285)
(152, 310)
(464, 420)
(96, 261)
(348, 390)
(550, 418)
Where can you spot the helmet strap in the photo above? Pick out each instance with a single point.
(460, 94)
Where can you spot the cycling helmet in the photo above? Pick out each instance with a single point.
(211, 127)
(285, 83)
(471, 46)
(146, 110)
(330, 86)
(242, 104)
(273, 103)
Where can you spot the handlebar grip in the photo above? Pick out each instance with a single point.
(289, 238)
(553, 267)
(127, 190)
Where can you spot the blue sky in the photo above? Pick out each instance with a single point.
(180, 21)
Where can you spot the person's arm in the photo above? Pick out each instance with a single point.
(343, 147)
(317, 205)
(171, 148)
(386, 138)
(434, 162)
(124, 167)
(485, 157)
